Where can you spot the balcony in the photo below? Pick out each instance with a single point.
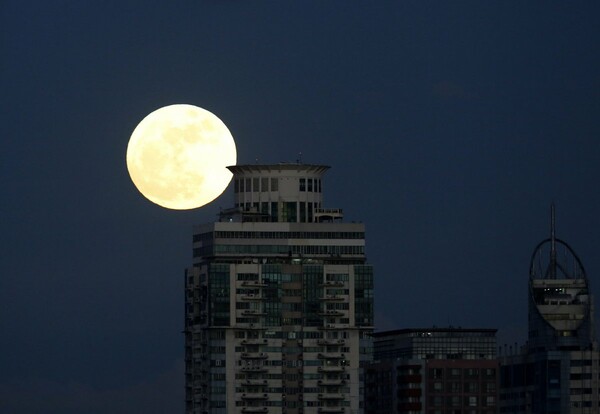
(254, 341)
(253, 313)
(332, 396)
(200, 397)
(331, 382)
(332, 355)
(254, 382)
(333, 298)
(328, 214)
(255, 396)
(253, 283)
(331, 410)
(332, 284)
(332, 368)
(254, 355)
(251, 297)
(331, 342)
(255, 410)
(335, 326)
(332, 313)
(254, 369)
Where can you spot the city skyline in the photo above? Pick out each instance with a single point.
(450, 129)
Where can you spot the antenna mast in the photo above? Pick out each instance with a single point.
(552, 242)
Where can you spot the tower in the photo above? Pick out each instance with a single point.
(279, 300)
(557, 371)
(560, 305)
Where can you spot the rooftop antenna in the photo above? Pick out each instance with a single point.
(299, 160)
(552, 242)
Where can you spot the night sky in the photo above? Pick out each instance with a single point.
(450, 128)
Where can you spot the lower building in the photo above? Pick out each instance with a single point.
(435, 370)
(549, 382)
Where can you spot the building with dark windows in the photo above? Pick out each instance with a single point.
(279, 300)
(557, 371)
(433, 371)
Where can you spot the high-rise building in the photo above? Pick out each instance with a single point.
(279, 300)
(433, 371)
(557, 371)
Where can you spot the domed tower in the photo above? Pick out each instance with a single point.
(560, 304)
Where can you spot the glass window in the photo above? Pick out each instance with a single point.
(302, 212)
(274, 184)
(436, 373)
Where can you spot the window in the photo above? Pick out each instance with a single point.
(454, 387)
(471, 387)
(436, 373)
(436, 401)
(453, 401)
(303, 184)
(274, 186)
(454, 372)
(472, 372)
(489, 372)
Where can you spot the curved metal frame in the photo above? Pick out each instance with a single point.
(558, 265)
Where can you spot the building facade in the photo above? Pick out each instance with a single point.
(433, 371)
(557, 371)
(279, 300)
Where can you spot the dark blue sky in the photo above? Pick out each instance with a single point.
(450, 128)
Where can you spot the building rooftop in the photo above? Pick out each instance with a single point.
(421, 331)
(289, 166)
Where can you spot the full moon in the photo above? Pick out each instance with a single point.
(177, 157)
